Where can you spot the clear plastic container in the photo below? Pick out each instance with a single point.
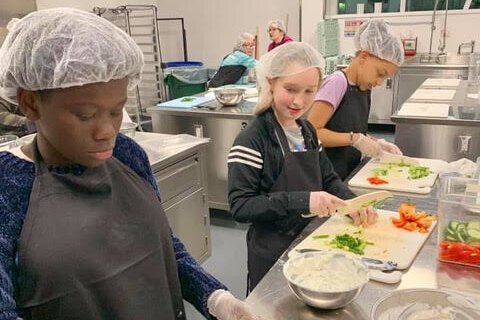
(9, 141)
(459, 221)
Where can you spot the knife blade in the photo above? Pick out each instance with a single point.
(360, 202)
(387, 157)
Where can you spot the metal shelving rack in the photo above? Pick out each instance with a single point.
(140, 22)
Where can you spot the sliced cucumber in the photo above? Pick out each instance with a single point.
(473, 233)
(453, 225)
(451, 238)
(474, 225)
(450, 232)
(467, 232)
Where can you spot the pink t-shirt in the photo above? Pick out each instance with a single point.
(333, 89)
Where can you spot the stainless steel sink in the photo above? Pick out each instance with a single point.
(440, 59)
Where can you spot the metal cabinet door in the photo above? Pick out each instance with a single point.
(382, 103)
(188, 218)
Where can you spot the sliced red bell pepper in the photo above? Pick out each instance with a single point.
(376, 180)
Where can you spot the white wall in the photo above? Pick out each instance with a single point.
(212, 26)
(312, 13)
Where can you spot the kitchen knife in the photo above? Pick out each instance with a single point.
(387, 157)
(360, 202)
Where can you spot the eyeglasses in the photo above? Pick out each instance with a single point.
(272, 29)
(249, 45)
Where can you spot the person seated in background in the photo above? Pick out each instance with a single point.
(277, 169)
(278, 34)
(235, 66)
(342, 106)
(83, 233)
(12, 120)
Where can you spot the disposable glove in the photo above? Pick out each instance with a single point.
(365, 217)
(389, 147)
(224, 306)
(368, 146)
(323, 203)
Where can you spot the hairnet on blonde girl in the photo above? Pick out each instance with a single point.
(275, 63)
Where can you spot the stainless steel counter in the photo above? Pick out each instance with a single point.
(165, 149)
(179, 166)
(449, 139)
(272, 298)
(219, 123)
(243, 110)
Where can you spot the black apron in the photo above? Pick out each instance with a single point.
(351, 115)
(267, 242)
(96, 246)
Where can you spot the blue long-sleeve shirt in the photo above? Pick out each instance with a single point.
(16, 181)
(240, 58)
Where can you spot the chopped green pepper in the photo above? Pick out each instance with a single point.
(349, 243)
(417, 172)
(320, 236)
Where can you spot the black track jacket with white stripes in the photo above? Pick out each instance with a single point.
(254, 163)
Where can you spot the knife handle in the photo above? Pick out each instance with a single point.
(385, 277)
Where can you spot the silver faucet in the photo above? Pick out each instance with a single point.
(442, 41)
(432, 28)
(470, 44)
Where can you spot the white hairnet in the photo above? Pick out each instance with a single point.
(242, 39)
(276, 63)
(279, 24)
(65, 47)
(374, 36)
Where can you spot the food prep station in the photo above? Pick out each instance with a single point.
(273, 299)
(190, 145)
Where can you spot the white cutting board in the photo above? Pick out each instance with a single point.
(398, 181)
(440, 83)
(390, 243)
(430, 110)
(433, 94)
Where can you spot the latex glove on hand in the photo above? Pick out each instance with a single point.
(389, 147)
(367, 146)
(365, 216)
(323, 203)
(224, 306)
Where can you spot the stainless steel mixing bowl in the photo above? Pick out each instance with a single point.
(326, 298)
(229, 96)
(404, 304)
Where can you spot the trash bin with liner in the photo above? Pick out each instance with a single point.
(185, 78)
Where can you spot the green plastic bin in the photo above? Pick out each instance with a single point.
(185, 81)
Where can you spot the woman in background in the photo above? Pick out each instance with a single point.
(236, 66)
(278, 34)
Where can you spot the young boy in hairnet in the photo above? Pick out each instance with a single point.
(83, 234)
(277, 170)
(342, 105)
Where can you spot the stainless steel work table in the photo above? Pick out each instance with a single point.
(449, 139)
(219, 123)
(243, 110)
(273, 299)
